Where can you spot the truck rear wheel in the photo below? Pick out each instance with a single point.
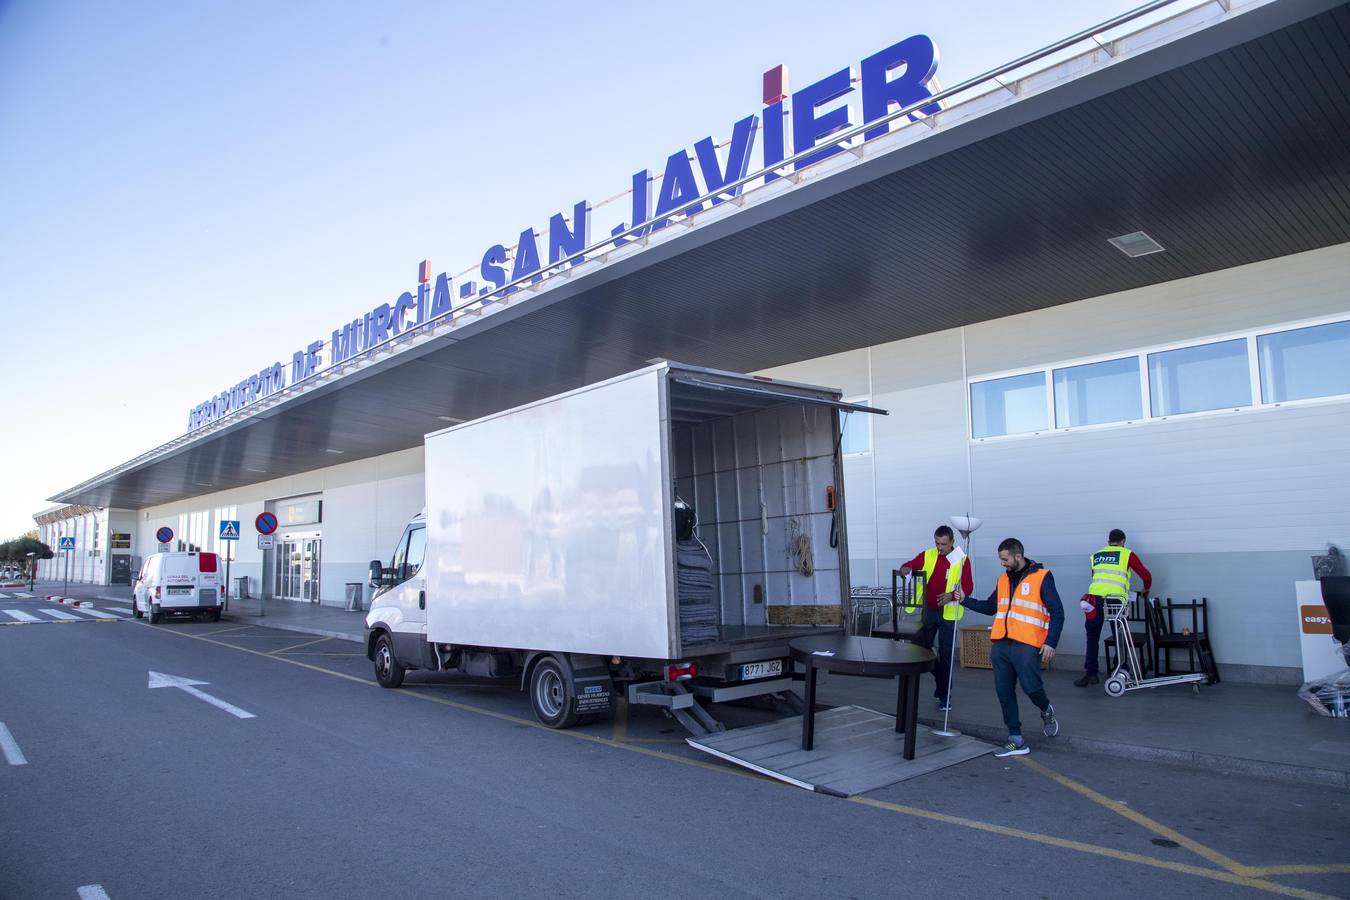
(388, 671)
(551, 695)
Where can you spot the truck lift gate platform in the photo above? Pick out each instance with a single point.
(856, 750)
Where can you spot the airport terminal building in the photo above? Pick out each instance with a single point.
(1105, 287)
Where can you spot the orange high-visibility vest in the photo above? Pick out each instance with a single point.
(1022, 617)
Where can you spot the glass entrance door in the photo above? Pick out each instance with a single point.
(297, 568)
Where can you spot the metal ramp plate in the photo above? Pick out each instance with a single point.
(856, 750)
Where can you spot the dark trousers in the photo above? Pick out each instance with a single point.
(935, 628)
(1013, 662)
(1093, 626)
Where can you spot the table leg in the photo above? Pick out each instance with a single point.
(901, 701)
(809, 716)
(911, 715)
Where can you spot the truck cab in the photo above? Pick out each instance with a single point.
(397, 623)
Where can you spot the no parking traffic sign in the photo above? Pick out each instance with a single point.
(164, 535)
(266, 523)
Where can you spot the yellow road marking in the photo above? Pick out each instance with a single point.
(231, 628)
(631, 747)
(1330, 869)
(1120, 809)
(1111, 852)
(302, 644)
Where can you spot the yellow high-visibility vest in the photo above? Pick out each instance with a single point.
(1110, 573)
(952, 612)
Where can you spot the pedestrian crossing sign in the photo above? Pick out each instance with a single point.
(67, 543)
(229, 529)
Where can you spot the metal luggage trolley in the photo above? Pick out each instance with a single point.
(870, 610)
(1128, 675)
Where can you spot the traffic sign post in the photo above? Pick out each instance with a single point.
(229, 531)
(67, 546)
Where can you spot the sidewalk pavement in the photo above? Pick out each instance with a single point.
(1262, 730)
(1253, 729)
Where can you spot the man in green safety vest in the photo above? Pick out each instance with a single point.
(944, 567)
(1111, 568)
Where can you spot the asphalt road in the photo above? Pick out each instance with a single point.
(334, 787)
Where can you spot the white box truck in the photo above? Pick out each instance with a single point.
(558, 545)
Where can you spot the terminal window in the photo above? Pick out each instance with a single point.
(1305, 363)
(1195, 379)
(1098, 393)
(856, 428)
(1015, 405)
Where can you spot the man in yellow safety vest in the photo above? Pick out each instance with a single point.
(1028, 617)
(1111, 568)
(945, 568)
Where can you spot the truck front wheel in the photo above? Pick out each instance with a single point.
(388, 671)
(551, 695)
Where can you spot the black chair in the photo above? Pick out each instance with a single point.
(900, 592)
(1135, 615)
(1166, 637)
(1336, 597)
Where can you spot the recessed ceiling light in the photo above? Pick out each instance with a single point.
(451, 419)
(251, 469)
(331, 450)
(1136, 243)
(202, 484)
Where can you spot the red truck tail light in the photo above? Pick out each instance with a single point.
(681, 672)
(207, 562)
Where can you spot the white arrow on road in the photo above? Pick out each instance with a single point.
(160, 680)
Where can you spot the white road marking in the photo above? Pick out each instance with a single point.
(62, 615)
(93, 892)
(111, 609)
(23, 594)
(5, 597)
(160, 680)
(10, 748)
(19, 615)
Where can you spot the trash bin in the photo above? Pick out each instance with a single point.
(354, 591)
(241, 587)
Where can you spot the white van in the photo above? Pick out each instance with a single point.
(179, 584)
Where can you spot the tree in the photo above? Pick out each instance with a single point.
(17, 550)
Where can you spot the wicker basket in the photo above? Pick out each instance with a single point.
(976, 647)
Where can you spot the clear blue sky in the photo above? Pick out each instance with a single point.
(190, 191)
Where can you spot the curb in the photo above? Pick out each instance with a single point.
(1212, 763)
(286, 626)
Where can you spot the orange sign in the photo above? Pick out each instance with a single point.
(1316, 620)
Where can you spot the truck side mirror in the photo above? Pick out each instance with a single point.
(376, 573)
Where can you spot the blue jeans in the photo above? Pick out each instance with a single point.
(1014, 661)
(943, 632)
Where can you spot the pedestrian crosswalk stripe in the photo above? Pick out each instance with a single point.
(5, 597)
(58, 614)
(112, 609)
(20, 615)
(24, 594)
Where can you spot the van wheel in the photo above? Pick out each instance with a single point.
(135, 610)
(551, 695)
(389, 671)
(154, 616)
(213, 616)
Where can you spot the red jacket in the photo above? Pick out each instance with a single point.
(937, 585)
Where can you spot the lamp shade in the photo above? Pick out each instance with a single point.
(966, 524)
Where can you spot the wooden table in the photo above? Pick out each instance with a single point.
(870, 657)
